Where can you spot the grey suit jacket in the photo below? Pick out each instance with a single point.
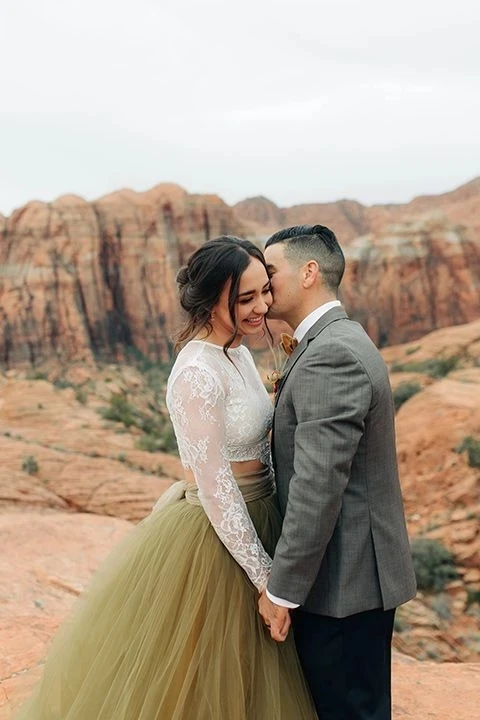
(344, 547)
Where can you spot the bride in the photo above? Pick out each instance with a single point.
(168, 628)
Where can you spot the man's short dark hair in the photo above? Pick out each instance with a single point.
(313, 242)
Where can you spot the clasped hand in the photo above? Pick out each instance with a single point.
(275, 617)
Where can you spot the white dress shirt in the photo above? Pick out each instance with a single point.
(299, 333)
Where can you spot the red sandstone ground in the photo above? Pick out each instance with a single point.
(71, 483)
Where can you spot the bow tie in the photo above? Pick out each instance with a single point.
(288, 343)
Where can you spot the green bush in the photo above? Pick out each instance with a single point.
(81, 396)
(121, 410)
(472, 447)
(435, 367)
(61, 383)
(399, 624)
(434, 564)
(164, 442)
(37, 375)
(30, 465)
(473, 597)
(404, 392)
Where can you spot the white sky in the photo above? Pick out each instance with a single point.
(301, 101)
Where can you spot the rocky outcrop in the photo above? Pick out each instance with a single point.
(440, 474)
(55, 556)
(72, 481)
(85, 281)
(412, 277)
(61, 450)
(95, 281)
(350, 219)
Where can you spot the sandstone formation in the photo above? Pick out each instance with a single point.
(95, 281)
(49, 561)
(84, 281)
(55, 555)
(410, 278)
(350, 219)
(72, 481)
(58, 451)
(441, 484)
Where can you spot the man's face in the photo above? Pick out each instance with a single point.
(286, 283)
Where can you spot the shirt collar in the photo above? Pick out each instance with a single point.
(312, 318)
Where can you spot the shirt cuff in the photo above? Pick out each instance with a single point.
(281, 601)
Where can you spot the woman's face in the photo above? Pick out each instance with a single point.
(253, 300)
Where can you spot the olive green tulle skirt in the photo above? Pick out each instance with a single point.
(169, 630)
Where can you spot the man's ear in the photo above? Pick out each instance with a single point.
(310, 273)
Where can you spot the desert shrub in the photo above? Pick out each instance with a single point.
(434, 367)
(120, 410)
(149, 443)
(37, 375)
(157, 428)
(434, 564)
(404, 392)
(158, 442)
(441, 605)
(61, 383)
(81, 396)
(473, 597)
(164, 442)
(30, 465)
(472, 446)
(399, 624)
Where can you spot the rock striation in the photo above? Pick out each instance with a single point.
(85, 281)
(407, 279)
(95, 281)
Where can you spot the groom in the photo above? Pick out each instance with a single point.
(343, 558)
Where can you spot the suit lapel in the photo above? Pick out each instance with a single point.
(336, 313)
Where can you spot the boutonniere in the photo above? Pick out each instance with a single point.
(274, 379)
(280, 356)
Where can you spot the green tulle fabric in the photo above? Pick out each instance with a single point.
(169, 630)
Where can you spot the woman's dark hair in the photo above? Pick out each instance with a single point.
(205, 275)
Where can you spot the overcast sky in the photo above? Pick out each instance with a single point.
(301, 101)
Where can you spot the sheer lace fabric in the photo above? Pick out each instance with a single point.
(221, 413)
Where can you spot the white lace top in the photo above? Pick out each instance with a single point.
(221, 413)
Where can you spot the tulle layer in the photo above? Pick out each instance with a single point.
(169, 630)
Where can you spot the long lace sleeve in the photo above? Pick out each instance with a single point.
(197, 410)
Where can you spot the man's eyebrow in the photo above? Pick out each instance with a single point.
(270, 266)
(250, 292)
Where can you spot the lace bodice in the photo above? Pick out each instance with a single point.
(221, 413)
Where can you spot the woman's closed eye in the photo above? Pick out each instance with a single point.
(245, 300)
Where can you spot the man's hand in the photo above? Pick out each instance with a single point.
(275, 617)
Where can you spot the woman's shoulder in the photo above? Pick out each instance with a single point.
(197, 360)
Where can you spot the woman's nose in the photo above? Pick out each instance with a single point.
(261, 306)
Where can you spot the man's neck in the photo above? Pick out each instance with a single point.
(308, 308)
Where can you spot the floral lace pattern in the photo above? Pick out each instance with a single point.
(221, 413)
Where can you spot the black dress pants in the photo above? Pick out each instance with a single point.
(347, 663)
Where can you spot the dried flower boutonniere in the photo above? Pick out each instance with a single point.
(280, 356)
(274, 379)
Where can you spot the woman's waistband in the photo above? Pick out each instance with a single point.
(253, 486)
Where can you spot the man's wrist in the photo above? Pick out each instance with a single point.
(280, 601)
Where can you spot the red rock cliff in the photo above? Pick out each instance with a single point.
(81, 280)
